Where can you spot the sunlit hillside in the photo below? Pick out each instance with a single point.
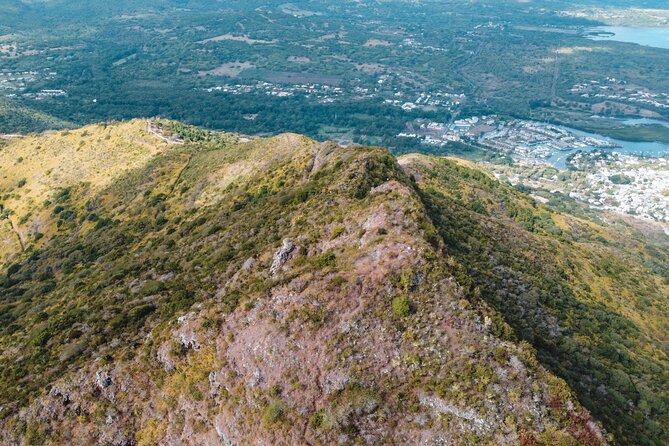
(183, 286)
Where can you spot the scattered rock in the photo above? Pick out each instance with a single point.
(472, 420)
(335, 381)
(281, 256)
(165, 357)
(249, 264)
(65, 395)
(166, 277)
(516, 364)
(102, 379)
(255, 379)
(223, 436)
(215, 383)
(188, 339)
(298, 285)
(181, 320)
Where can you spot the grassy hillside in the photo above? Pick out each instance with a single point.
(274, 291)
(37, 168)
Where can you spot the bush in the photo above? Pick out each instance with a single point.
(326, 259)
(275, 411)
(151, 287)
(180, 300)
(621, 179)
(316, 420)
(401, 306)
(138, 314)
(337, 232)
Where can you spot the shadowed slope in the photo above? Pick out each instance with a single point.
(592, 299)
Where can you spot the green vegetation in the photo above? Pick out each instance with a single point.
(401, 306)
(621, 179)
(590, 300)
(637, 133)
(275, 411)
(15, 118)
(142, 278)
(504, 57)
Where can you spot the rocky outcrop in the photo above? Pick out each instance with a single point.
(281, 256)
(102, 379)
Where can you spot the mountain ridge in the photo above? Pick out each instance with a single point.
(286, 291)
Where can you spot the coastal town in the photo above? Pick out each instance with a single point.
(582, 166)
(560, 160)
(625, 184)
(621, 183)
(526, 141)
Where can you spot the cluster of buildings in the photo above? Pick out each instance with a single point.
(620, 183)
(45, 94)
(612, 89)
(14, 83)
(524, 140)
(438, 99)
(413, 43)
(528, 140)
(328, 93)
(322, 93)
(645, 194)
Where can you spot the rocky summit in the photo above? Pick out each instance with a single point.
(162, 284)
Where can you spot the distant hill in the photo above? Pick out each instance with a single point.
(18, 119)
(161, 284)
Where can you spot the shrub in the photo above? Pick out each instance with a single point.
(337, 232)
(180, 300)
(316, 420)
(151, 287)
(138, 314)
(275, 390)
(275, 411)
(401, 306)
(326, 259)
(621, 179)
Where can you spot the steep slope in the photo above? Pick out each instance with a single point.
(274, 291)
(592, 298)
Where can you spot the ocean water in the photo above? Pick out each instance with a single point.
(653, 149)
(654, 37)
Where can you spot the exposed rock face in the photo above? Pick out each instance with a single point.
(281, 256)
(65, 395)
(324, 153)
